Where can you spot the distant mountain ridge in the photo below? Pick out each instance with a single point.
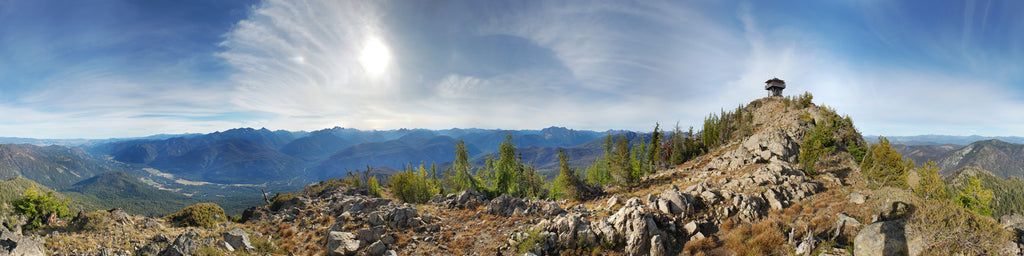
(254, 156)
(941, 139)
(1002, 158)
(55, 167)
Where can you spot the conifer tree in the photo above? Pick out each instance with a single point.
(463, 179)
(654, 153)
(622, 169)
(507, 168)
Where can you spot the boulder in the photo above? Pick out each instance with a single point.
(238, 239)
(342, 243)
(896, 210)
(691, 228)
(857, 198)
(612, 202)
(678, 203)
(121, 217)
(185, 244)
(376, 249)
(1012, 221)
(807, 245)
(20, 246)
(636, 225)
(657, 246)
(887, 238)
(368, 235)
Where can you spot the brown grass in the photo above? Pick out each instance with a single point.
(764, 237)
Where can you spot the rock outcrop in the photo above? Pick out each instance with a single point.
(16, 245)
(887, 238)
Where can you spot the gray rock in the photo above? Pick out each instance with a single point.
(637, 227)
(224, 245)
(857, 198)
(390, 253)
(807, 245)
(773, 199)
(121, 217)
(374, 219)
(897, 210)
(709, 197)
(657, 246)
(376, 249)
(612, 202)
(21, 246)
(185, 244)
(388, 239)
(368, 235)
(1012, 221)
(680, 204)
(150, 223)
(887, 238)
(342, 243)
(691, 228)
(238, 239)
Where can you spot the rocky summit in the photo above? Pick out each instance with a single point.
(761, 190)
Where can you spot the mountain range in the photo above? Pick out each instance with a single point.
(233, 165)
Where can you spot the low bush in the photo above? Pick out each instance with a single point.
(205, 215)
(93, 221)
(885, 165)
(413, 185)
(949, 229)
(38, 206)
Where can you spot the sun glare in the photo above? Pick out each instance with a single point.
(375, 57)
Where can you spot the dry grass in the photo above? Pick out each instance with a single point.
(765, 237)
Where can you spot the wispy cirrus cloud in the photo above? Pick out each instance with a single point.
(136, 68)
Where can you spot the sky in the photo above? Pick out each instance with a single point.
(113, 68)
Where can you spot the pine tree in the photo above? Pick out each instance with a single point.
(622, 169)
(463, 179)
(567, 184)
(507, 168)
(654, 154)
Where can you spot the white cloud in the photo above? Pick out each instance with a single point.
(327, 37)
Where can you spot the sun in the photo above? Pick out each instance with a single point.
(375, 57)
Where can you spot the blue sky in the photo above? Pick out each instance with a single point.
(99, 69)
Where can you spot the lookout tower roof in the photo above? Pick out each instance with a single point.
(774, 82)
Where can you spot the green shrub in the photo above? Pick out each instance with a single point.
(975, 198)
(930, 185)
(817, 143)
(885, 165)
(953, 230)
(532, 239)
(857, 151)
(567, 184)
(413, 185)
(205, 215)
(37, 206)
(94, 221)
(375, 189)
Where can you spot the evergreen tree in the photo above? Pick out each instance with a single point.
(463, 179)
(567, 184)
(37, 206)
(654, 153)
(931, 185)
(507, 168)
(622, 168)
(975, 198)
